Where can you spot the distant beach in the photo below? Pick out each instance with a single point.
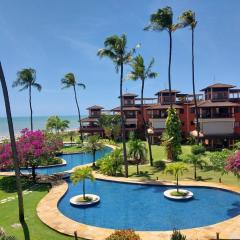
(39, 122)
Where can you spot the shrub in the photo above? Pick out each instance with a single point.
(198, 149)
(159, 164)
(3, 236)
(176, 235)
(123, 235)
(111, 164)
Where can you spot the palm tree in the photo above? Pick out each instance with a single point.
(137, 150)
(93, 144)
(55, 122)
(13, 145)
(80, 175)
(160, 21)
(196, 161)
(70, 81)
(116, 50)
(26, 79)
(176, 169)
(187, 19)
(140, 71)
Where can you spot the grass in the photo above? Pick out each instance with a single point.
(205, 174)
(72, 149)
(179, 194)
(34, 228)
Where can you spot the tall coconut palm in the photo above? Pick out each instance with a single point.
(68, 81)
(140, 71)
(116, 50)
(160, 21)
(26, 79)
(187, 19)
(13, 145)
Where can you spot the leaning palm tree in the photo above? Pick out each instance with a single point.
(187, 19)
(13, 145)
(70, 81)
(160, 21)
(26, 79)
(140, 71)
(116, 50)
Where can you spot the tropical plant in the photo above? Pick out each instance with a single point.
(142, 72)
(218, 161)
(93, 144)
(176, 169)
(167, 143)
(111, 125)
(111, 164)
(161, 165)
(80, 175)
(176, 235)
(160, 21)
(124, 235)
(71, 135)
(196, 161)
(26, 79)
(14, 154)
(187, 19)
(116, 50)
(137, 151)
(237, 145)
(173, 131)
(55, 123)
(68, 81)
(233, 164)
(198, 149)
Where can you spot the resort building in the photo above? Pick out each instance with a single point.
(218, 108)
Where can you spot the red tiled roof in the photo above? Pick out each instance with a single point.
(87, 119)
(95, 107)
(126, 109)
(167, 91)
(163, 106)
(209, 103)
(218, 85)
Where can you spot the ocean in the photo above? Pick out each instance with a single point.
(39, 122)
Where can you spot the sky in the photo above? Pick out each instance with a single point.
(60, 36)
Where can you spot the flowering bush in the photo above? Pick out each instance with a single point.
(233, 163)
(32, 147)
(123, 235)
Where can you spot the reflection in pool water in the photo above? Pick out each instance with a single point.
(143, 207)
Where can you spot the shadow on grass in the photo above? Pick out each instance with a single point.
(8, 185)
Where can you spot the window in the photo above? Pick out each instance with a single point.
(237, 124)
(192, 110)
(181, 111)
(237, 110)
(192, 123)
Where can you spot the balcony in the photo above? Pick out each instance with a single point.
(216, 115)
(157, 123)
(220, 96)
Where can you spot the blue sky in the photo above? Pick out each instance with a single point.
(60, 36)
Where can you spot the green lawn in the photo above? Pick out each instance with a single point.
(72, 149)
(35, 229)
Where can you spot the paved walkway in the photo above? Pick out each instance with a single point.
(49, 214)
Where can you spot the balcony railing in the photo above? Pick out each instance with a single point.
(217, 115)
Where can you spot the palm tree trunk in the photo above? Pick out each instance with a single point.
(195, 171)
(145, 126)
(94, 158)
(13, 146)
(177, 183)
(34, 174)
(169, 67)
(137, 169)
(123, 124)
(194, 92)
(79, 114)
(30, 106)
(84, 189)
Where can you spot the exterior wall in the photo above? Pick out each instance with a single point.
(237, 119)
(217, 126)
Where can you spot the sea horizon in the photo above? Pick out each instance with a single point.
(39, 123)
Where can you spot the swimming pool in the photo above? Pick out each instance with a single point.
(72, 160)
(144, 208)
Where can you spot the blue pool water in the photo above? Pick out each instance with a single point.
(142, 207)
(72, 160)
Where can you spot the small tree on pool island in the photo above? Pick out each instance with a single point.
(173, 131)
(176, 169)
(80, 175)
(233, 164)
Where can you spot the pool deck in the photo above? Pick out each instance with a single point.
(49, 214)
